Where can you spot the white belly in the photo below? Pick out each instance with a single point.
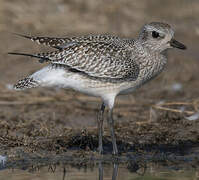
(61, 77)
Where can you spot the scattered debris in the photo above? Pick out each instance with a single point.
(176, 87)
(193, 117)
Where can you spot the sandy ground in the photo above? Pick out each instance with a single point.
(56, 121)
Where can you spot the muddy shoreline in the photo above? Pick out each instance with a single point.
(160, 119)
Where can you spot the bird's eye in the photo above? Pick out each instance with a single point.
(155, 34)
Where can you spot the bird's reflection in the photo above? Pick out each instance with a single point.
(132, 166)
(101, 170)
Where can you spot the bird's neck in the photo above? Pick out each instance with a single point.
(151, 63)
(146, 55)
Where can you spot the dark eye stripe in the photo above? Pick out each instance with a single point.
(155, 34)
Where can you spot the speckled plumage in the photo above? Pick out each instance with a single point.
(103, 65)
(26, 83)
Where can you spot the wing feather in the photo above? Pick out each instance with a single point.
(98, 59)
(61, 43)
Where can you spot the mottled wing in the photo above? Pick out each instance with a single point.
(97, 59)
(61, 43)
(48, 41)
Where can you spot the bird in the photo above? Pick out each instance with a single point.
(102, 65)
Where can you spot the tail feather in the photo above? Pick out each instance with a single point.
(42, 57)
(25, 36)
(26, 83)
(48, 41)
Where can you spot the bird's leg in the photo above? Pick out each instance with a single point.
(115, 171)
(100, 119)
(101, 169)
(111, 126)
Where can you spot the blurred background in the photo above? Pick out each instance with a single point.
(60, 18)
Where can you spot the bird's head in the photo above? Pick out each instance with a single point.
(158, 37)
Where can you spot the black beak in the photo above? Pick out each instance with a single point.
(177, 44)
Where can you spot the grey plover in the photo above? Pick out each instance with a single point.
(103, 65)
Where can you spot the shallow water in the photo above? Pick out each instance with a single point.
(101, 171)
